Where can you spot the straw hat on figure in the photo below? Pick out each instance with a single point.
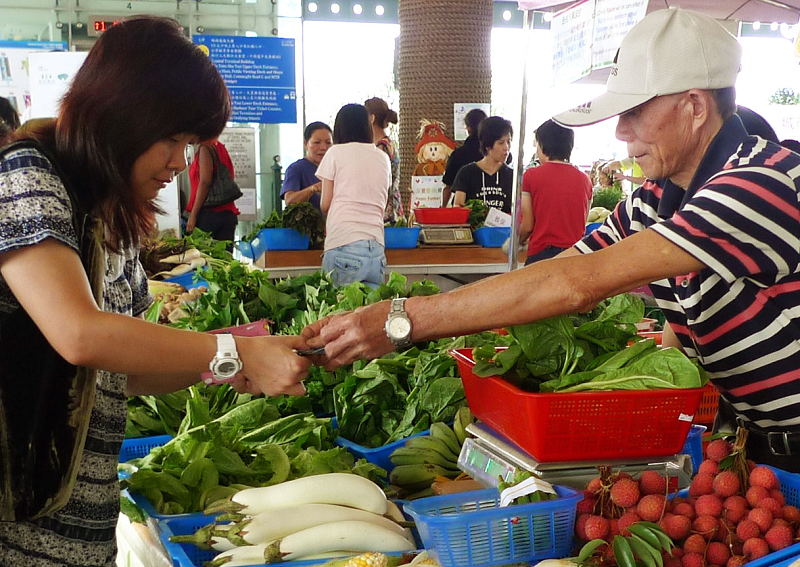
(433, 148)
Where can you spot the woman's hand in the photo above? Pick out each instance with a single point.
(270, 365)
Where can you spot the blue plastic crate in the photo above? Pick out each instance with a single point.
(471, 530)
(187, 280)
(694, 446)
(377, 456)
(492, 236)
(401, 236)
(189, 555)
(137, 447)
(273, 239)
(592, 226)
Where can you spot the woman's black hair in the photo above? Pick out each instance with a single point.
(492, 129)
(352, 125)
(124, 99)
(554, 140)
(313, 127)
(8, 114)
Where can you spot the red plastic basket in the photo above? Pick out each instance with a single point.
(708, 406)
(441, 215)
(582, 426)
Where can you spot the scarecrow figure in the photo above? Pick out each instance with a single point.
(433, 148)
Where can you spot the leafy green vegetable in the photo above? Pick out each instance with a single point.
(305, 218)
(608, 197)
(477, 213)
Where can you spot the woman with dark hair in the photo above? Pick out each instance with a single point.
(356, 177)
(555, 195)
(489, 179)
(380, 115)
(120, 136)
(8, 114)
(301, 184)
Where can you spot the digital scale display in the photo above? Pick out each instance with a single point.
(98, 25)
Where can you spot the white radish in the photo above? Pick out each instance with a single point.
(351, 535)
(183, 258)
(343, 489)
(281, 522)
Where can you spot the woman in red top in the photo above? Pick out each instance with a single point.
(555, 195)
(221, 220)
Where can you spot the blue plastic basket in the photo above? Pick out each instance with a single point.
(189, 555)
(138, 447)
(187, 280)
(401, 236)
(273, 239)
(492, 236)
(471, 530)
(592, 226)
(694, 445)
(377, 456)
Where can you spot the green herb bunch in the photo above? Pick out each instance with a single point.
(608, 197)
(477, 214)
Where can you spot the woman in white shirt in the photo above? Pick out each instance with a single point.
(355, 176)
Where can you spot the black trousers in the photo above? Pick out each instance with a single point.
(221, 224)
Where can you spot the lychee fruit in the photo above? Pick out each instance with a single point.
(762, 517)
(597, 527)
(791, 514)
(693, 560)
(708, 505)
(684, 509)
(772, 505)
(677, 527)
(580, 526)
(726, 484)
(586, 506)
(780, 522)
(778, 495)
(695, 543)
(756, 494)
(707, 526)
(755, 548)
(718, 449)
(703, 483)
(672, 561)
(735, 508)
(595, 486)
(735, 561)
(651, 507)
(762, 476)
(717, 553)
(678, 552)
(651, 482)
(613, 527)
(779, 537)
(625, 492)
(708, 467)
(626, 520)
(747, 529)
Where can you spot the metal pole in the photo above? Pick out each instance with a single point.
(513, 249)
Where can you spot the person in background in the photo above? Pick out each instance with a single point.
(121, 134)
(356, 176)
(468, 152)
(616, 171)
(220, 221)
(792, 145)
(380, 115)
(488, 179)
(300, 183)
(555, 195)
(714, 232)
(8, 114)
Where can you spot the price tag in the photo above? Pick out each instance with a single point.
(496, 217)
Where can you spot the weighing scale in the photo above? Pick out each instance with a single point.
(488, 455)
(446, 234)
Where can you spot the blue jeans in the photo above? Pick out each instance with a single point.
(546, 254)
(360, 261)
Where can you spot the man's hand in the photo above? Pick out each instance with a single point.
(356, 335)
(271, 366)
(190, 224)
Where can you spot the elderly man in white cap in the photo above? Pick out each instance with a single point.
(716, 227)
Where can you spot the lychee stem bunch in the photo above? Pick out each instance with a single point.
(646, 544)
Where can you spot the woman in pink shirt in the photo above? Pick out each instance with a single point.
(356, 177)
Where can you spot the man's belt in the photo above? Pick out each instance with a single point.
(780, 443)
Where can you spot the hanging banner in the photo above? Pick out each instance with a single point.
(259, 73)
(241, 145)
(613, 19)
(571, 32)
(51, 75)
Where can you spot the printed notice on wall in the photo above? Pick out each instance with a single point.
(259, 73)
(460, 110)
(241, 145)
(613, 19)
(15, 76)
(571, 30)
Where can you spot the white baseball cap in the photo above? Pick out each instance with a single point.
(669, 51)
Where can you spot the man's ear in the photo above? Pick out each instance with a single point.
(703, 107)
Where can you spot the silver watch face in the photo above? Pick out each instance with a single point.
(399, 327)
(226, 368)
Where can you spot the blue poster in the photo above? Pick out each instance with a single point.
(259, 73)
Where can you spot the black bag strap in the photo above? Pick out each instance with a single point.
(45, 402)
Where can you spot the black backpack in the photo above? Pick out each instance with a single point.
(45, 402)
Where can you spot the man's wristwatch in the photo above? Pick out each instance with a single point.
(226, 363)
(398, 325)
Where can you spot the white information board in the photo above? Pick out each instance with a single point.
(15, 83)
(426, 191)
(51, 75)
(460, 110)
(241, 145)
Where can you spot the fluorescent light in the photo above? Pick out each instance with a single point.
(756, 26)
(774, 26)
(506, 15)
(335, 8)
(357, 9)
(379, 10)
(312, 7)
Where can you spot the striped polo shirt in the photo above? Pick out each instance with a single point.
(740, 316)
